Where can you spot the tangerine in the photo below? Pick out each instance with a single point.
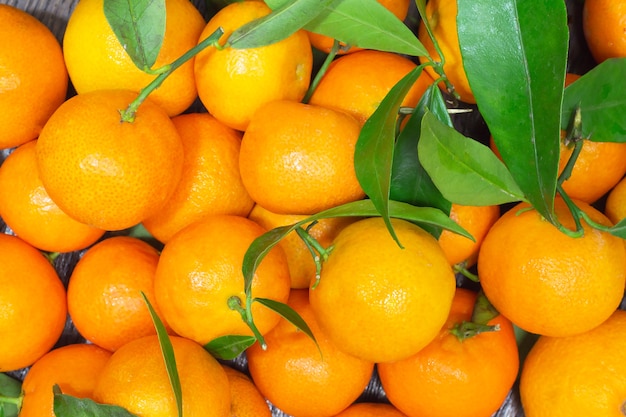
(604, 27)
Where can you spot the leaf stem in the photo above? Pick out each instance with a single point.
(329, 58)
(128, 115)
(461, 269)
(234, 303)
(319, 253)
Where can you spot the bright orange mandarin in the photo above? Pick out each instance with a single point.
(400, 9)
(210, 182)
(200, 270)
(370, 290)
(477, 220)
(104, 172)
(104, 291)
(577, 376)
(300, 259)
(550, 283)
(604, 26)
(234, 82)
(32, 298)
(96, 60)
(299, 159)
(135, 378)
(468, 377)
(371, 410)
(358, 82)
(245, 398)
(33, 77)
(615, 207)
(294, 374)
(28, 210)
(74, 368)
(441, 15)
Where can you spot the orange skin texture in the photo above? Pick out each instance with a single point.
(33, 299)
(615, 207)
(33, 77)
(371, 410)
(96, 60)
(74, 368)
(28, 210)
(591, 364)
(298, 158)
(200, 270)
(358, 82)
(448, 377)
(104, 173)
(245, 398)
(104, 293)
(135, 378)
(604, 26)
(210, 182)
(233, 83)
(294, 375)
(550, 283)
(370, 290)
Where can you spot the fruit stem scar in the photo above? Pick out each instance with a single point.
(128, 114)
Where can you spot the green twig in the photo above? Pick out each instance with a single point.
(461, 269)
(319, 253)
(234, 303)
(329, 58)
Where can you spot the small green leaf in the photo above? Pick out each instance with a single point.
(139, 25)
(363, 23)
(68, 406)
(483, 311)
(10, 389)
(284, 20)
(601, 94)
(168, 355)
(516, 64)
(230, 346)
(288, 314)
(619, 229)
(373, 155)
(464, 170)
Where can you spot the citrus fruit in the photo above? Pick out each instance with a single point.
(299, 257)
(32, 299)
(97, 60)
(298, 158)
(74, 368)
(441, 16)
(200, 271)
(577, 376)
(550, 283)
(604, 27)
(104, 172)
(358, 82)
(28, 210)
(476, 220)
(33, 77)
(366, 409)
(615, 205)
(294, 374)
(210, 182)
(245, 398)
(448, 377)
(371, 289)
(135, 378)
(104, 294)
(234, 82)
(399, 8)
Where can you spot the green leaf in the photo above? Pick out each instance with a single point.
(619, 229)
(515, 64)
(601, 94)
(373, 155)
(139, 25)
(409, 181)
(423, 216)
(10, 388)
(168, 355)
(363, 23)
(288, 314)
(284, 20)
(464, 170)
(230, 346)
(68, 406)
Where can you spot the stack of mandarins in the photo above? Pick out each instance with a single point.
(160, 204)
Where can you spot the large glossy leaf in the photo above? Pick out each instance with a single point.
(139, 25)
(68, 406)
(515, 55)
(464, 170)
(284, 20)
(373, 155)
(601, 94)
(363, 23)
